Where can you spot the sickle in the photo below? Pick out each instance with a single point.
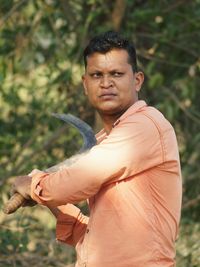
(89, 140)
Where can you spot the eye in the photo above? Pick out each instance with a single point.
(96, 75)
(117, 74)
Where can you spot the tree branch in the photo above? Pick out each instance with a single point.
(118, 13)
(174, 6)
(13, 9)
(177, 101)
(191, 203)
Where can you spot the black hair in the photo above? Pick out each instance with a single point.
(108, 41)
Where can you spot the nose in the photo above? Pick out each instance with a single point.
(106, 82)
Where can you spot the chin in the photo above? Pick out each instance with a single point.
(110, 111)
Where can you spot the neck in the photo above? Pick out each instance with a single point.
(109, 119)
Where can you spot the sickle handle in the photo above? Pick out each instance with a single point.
(13, 203)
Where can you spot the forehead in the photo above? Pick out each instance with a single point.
(112, 59)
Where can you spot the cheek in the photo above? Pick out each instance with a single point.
(91, 95)
(129, 95)
(127, 89)
(91, 90)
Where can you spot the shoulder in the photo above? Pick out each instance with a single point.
(148, 118)
(148, 125)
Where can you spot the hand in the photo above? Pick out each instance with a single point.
(21, 191)
(22, 185)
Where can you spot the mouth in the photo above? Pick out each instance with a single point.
(107, 95)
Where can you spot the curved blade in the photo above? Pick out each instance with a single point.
(84, 129)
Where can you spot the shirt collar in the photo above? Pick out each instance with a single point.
(100, 136)
(131, 110)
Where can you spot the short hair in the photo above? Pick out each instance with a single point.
(108, 41)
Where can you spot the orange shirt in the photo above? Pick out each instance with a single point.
(132, 179)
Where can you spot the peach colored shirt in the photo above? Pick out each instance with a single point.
(132, 179)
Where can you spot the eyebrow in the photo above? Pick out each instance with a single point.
(110, 71)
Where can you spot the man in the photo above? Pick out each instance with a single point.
(131, 178)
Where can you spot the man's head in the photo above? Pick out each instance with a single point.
(108, 41)
(111, 81)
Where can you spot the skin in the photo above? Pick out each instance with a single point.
(111, 85)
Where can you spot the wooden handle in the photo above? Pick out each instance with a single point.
(15, 202)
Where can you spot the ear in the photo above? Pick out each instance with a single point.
(139, 79)
(84, 84)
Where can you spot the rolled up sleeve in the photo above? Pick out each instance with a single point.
(132, 147)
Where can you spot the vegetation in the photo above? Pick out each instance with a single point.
(41, 45)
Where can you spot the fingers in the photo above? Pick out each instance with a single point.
(29, 203)
(20, 195)
(22, 185)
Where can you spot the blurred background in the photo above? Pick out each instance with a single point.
(41, 44)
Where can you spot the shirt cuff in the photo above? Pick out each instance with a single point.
(36, 189)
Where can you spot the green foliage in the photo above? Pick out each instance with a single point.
(21, 243)
(41, 44)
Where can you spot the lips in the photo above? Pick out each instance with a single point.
(107, 96)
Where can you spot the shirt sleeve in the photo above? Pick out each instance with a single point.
(132, 147)
(71, 224)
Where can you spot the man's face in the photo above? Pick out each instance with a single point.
(109, 82)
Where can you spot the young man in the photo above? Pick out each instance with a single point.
(131, 178)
